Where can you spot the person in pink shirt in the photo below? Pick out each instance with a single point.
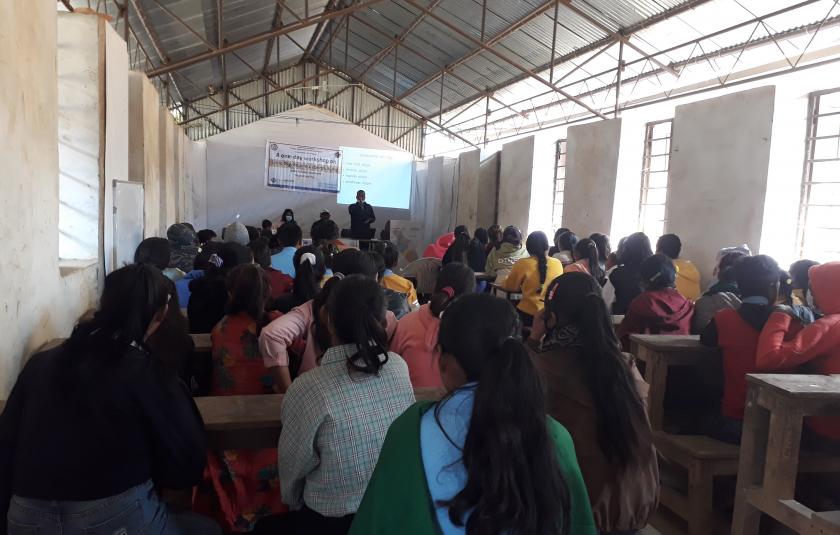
(306, 326)
(416, 337)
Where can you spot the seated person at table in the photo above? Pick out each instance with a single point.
(245, 481)
(95, 427)
(288, 218)
(208, 295)
(625, 279)
(309, 273)
(736, 332)
(800, 280)
(395, 282)
(506, 253)
(396, 302)
(531, 276)
(280, 284)
(804, 313)
(587, 260)
(721, 295)
(308, 321)
(660, 309)
(465, 250)
(597, 393)
(817, 345)
(416, 337)
(336, 416)
(565, 245)
(486, 458)
(324, 229)
(688, 277)
(288, 237)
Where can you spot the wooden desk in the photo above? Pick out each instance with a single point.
(769, 456)
(202, 342)
(660, 352)
(485, 277)
(498, 291)
(253, 422)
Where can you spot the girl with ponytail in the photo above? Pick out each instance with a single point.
(416, 338)
(597, 393)
(309, 272)
(336, 416)
(531, 276)
(587, 260)
(486, 454)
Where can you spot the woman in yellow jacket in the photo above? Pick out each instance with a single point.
(531, 276)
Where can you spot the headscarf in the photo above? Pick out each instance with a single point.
(184, 244)
(236, 232)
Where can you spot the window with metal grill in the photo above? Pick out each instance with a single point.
(655, 165)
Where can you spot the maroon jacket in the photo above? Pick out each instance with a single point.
(656, 312)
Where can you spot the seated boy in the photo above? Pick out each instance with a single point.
(660, 309)
(688, 277)
(736, 332)
(393, 281)
(817, 345)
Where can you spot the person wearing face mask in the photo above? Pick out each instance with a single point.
(361, 218)
(288, 218)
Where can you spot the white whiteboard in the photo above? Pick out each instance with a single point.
(128, 221)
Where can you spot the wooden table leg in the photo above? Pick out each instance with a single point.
(656, 375)
(701, 513)
(750, 464)
(782, 461)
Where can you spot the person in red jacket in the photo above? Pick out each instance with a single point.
(660, 309)
(736, 332)
(817, 345)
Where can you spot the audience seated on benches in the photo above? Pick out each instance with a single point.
(280, 284)
(308, 321)
(208, 295)
(660, 309)
(95, 427)
(506, 253)
(394, 282)
(597, 393)
(486, 456)
(530, 276)
(723, 294)
(309, 274)
(336, 416)
(416, 337)
(625, 279)
(244, 482)
(688, 277)
(817, 345)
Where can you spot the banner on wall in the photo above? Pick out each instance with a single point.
(300, 168)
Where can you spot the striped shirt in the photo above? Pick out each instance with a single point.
(334, 424)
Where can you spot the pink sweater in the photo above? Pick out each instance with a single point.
(416, 342)
(279, 335)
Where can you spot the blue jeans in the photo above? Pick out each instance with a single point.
(135, 511)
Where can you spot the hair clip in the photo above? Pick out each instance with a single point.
(449, 291)
(308, 257)
(216, 260)
(338, 275)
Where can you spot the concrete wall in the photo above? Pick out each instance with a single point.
(145, 148)
(591, 171)
(116, 130)
(487, 190)
(468, 187)
(718, 178)
(37, 302)
(515, 178)
(236, 170)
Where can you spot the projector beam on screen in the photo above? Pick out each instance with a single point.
(385, 175)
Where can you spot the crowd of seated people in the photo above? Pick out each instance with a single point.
(542, 426)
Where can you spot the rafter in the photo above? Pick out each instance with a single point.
(316, 35)
(276, 22)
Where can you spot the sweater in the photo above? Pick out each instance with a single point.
(688, 279)
(416, 341)
(656, 312)
(402, 285)
(504, 258)
(525, 278)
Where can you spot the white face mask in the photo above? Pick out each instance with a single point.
(289, 218)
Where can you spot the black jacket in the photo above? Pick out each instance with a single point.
(361, 217)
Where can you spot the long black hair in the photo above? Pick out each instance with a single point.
(309, 270)
(602, 241)
(588, 249)
(514, 482)
(537, 246)
(494, 237)
(357, 315)
(623, 430)
(248, 291)
(459, 250)
(453, 280)
(634, 249)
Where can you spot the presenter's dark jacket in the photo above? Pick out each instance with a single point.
(361, 216)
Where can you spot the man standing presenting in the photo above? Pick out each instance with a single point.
(361, 217)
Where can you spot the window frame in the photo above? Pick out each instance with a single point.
(647, 160)
(561, 148)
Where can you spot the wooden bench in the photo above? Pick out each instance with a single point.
(253, 422)
(769, 462)
(498, 291)
(659, 353)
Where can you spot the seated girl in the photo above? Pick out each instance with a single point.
(724, 294)
(309, 273)
(531, 276)
(660, 309)
(416, 337)
(486, 458)
(245, 481)
(503, 256)
(280, 284)
(95, 427)
(208, 295)
(336, 416)
(564, 246)
(308, 323)
(587, 260)
(625, 280)
(597, 393)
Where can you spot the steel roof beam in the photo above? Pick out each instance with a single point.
(316, 35)
(259, 38)
(276, 22)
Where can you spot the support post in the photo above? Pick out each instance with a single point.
(618, 78)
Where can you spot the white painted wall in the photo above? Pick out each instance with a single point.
(468, 184)
(116, 131)
(719, 167)
(515, 178)
(236, 170)
(591, 171)
(487, 190)
(37, 303)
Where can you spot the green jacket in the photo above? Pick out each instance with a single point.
(397, 498)
(504, 257)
